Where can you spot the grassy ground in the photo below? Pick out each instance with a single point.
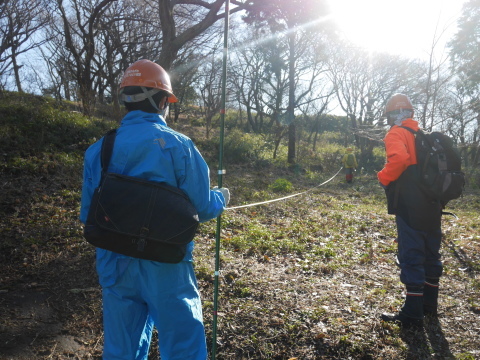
(302, 278)
(308, 277)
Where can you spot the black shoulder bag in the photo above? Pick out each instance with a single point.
(139, 218)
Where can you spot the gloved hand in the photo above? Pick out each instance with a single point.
(225, 192)
(383, 186)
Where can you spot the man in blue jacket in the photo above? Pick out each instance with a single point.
(140, 294)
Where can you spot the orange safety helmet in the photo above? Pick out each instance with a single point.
(398, 102)
(145, 73)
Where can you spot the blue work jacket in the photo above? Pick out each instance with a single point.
(147, 148)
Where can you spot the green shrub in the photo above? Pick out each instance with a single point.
(472, 178)
(197, 121)
(281, 185)
(240, 147)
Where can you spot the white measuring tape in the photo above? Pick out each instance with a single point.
(286, 197)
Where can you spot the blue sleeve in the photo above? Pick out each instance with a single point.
(91, 179)
(196, 184)
(86, 195)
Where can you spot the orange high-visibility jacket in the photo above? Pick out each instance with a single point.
(400, 149)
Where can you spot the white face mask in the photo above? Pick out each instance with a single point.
(164, 113)
(399, 117)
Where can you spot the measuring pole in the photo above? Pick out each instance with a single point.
(220, 177)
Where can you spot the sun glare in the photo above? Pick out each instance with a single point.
(406, 28)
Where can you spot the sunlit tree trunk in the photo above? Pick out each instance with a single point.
(291, 98)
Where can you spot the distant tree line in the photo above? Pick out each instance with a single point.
(287, 66)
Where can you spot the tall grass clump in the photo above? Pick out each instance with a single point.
(281, 185)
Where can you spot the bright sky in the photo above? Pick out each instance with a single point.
(405, 27)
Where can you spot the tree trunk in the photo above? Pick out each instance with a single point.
(176, 111)
(291, 143)
(353, 120)
(87, 97)
(116, 104)
(169, 33)
(66, 86)
(476, 152)
(278, 138)
(250, 119)
(16, 70)
(291, 98)
(172, 43)
(316, 130)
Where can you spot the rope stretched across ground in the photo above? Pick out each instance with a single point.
(285, 197)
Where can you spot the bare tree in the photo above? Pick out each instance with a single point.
(19, 21)
(460, 122)
(314, 111)
(184, 20)
(465, 59)
(80, 27)
(56, 62)
(262, 69)
(363, 82)
(432, 86)
(210, 88)
(296, 18)
(259, 78)
(128, 30)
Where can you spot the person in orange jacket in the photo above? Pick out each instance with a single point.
(349, 162)
(418, 217)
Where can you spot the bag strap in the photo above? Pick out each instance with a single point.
(411, 130)
(397, 188)
(106, 154)
(427, 140)
(107, 149)
(419, 132)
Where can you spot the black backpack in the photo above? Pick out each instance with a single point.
(439, 165)
(139, 218)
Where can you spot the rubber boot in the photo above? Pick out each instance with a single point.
(430, 297)
(411, 313)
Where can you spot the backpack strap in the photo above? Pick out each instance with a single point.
(397, 188)
(425, 138)
(107, 149)
(411, 130)
(419, 132)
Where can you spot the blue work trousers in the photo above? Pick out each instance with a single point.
(418, 254)
(146, 294)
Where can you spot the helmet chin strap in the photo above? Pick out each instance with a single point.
(147, 94)
(149, 97)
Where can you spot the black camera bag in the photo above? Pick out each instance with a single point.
(139, 218)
